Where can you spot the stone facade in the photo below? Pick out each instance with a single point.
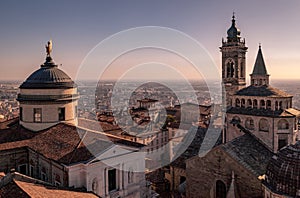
(203, 174)
(31, 163)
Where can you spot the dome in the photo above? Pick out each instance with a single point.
(283, 171)
(233, 32)
(48, 77)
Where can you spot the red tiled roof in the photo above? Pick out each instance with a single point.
(64, 143)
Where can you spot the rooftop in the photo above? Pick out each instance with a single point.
(24, 187)
(63, 143)
(265, 91)
(250, 152)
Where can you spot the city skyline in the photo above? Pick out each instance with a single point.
(77, 27)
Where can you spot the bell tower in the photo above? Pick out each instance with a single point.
(233, 51)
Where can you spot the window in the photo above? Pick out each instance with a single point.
(21, 113)
(262, 104)
(61, 114)
(31, 171)
(237, 103)
(249, 103)
(263, 125)
(57, 180)
(255, 104)
(220, 189)
(243, 103)
(23, 169)
(130, 175)
(37, 115)
(112, 179)
(268, 104)
(230, 69)
(282, 143)
(43, 174)
(283, 124)
(280, 105)
(182, 179)
(249, 123)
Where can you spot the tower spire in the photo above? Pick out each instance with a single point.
(259, 75)
(233, 33)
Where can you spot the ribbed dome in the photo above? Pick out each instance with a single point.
(283, 171)
(48, 77)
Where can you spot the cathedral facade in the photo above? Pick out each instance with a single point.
(259, 122)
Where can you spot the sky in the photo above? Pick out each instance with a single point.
(77, 27)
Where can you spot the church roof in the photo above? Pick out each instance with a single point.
(249, 152)
(63, 143)
(23, 186)
(259, 66)
(197, 134)
(283, 171)
(259, 112)
(265, 91)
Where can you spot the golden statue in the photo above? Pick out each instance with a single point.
(49, 48)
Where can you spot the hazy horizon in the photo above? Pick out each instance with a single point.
(76, 27)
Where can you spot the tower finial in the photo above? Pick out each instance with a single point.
(259, 45)
(233, 15)
(49, 48)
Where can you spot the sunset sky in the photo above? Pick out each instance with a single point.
(76, 27)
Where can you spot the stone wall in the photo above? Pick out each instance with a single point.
(203, 173)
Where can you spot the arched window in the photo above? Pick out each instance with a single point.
(268, 104)
(220, 189)
(255, 104)
(262, 104)
(249, 123)
(243, 103)
(263, 125)
(235, 120)
(230, 69)
(276, 105)
(249, 103)
(283, 124)
(237, 103)
(280, 105)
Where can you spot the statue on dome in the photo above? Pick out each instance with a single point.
(49, 48)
